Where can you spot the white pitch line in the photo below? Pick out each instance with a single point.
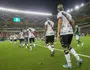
(62, 51)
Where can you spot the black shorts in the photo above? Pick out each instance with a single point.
(26, 39)
(15, 39)
(66, 40)
(49, 39)
(11, 40)
(31, 40)
(21, 40)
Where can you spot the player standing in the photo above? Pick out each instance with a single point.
(77, 33)
(31, 32)
(49, 35)
(65, 32)
(11, 38)
(26, 35)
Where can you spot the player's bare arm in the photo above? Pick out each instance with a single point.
(59, 27)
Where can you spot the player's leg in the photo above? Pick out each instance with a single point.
(26, 42)
(64, 43)
(52, 45)
(48, 38)
(15, 41)
(30, 41)
(20, 42)
(72, 51)
(10, 40)
(23, 42)
(33, 39)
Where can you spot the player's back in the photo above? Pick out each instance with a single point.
(66, 22)
(50, 26)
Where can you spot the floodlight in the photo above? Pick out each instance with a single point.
(24, 12)
(77, 7)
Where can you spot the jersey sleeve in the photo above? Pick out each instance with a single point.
(59, 15)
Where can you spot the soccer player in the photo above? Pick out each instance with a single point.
(11, 38)
(15, 38)
(26, 35)
(65, 32)
(31, 32)
(21, 38)
(49, 35)
(77, 32)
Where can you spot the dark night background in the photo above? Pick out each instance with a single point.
(40, 5)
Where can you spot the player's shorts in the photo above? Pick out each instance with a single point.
(49, 39)
(77, 37)
(31, 40)
(66, 40)
(21, 40)
(11, 40)
(15, 39)
(26, 39)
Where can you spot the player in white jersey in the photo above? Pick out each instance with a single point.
(49, 35)
(15, 37)
(26, 35)
(21, 38)
(11, 38)
(31, 32)
(65, 32)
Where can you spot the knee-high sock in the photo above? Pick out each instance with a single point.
(30, 47)
(72, 51)
(67, 56)
(34, 45)
(52, 46)
(49, 47)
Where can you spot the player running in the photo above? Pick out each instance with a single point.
(77, 34)
(49, 35)
(21, 38)
(65, 32)
(31, 32)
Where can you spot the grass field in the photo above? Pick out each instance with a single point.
(13, 57)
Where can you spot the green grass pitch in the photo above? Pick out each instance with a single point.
(13, 57)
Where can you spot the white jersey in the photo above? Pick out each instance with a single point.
(14, 36)
(50, 26)
(31, 33)
(66, 26)
(11, 37)
(26, 34)
(21, 35)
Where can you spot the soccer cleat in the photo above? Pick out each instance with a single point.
(26, 46)
(67, 66)
(80, 62)
(52, 53)
(82, 44)
(78, 45)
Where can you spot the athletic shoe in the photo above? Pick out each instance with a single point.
(80, 62)
(78, 45)
(67, 66)
(52, 53)
(82, 44)
(26, 46)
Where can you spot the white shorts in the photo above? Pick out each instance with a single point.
(77, 37)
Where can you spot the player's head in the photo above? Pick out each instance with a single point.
(60, 7)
